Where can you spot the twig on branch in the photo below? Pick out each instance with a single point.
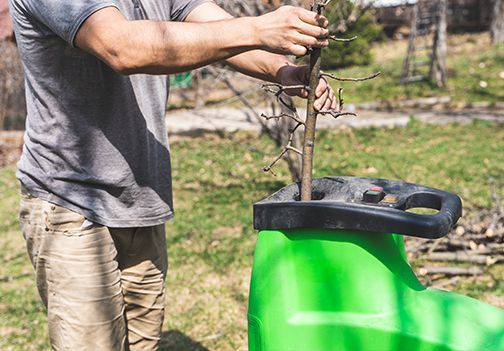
(351, 79)
(341, 102)
(278, 89)
(337, 113)
(287, 148)
(320, 4)
(282, 115)
(345, 40)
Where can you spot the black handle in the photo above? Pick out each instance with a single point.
(345, 203)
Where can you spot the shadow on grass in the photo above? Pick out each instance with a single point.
(174, 340)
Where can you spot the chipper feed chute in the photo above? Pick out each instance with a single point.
(332, 274)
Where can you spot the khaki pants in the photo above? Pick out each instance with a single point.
(103, 287)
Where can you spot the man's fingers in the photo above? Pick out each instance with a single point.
(298, 50)
(306, 40)
(320, 102)
(313, 18)
(313, 31)
(329, 100)
(297, 92)
(321, 88)
(334, 104)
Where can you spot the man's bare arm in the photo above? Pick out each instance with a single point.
(255, 63)
(269, 66)
(159, 47)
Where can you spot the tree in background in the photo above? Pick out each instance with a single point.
(497, 24)
(349, 19)
(12, 98)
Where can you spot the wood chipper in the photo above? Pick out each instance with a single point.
(332, 273)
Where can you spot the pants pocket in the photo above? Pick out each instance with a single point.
(62, 220)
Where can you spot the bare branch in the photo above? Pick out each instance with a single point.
(282, 115)
(293, 130)
(286, 149)
(337, 113)
(278, 89)
(341, 102)
(272, 164)
(345, 40)
(292, 148)
(319, 4)
(332, 76)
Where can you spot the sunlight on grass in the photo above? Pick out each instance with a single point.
(211, 241)
(474, 73)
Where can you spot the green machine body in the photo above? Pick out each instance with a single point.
(332, 274)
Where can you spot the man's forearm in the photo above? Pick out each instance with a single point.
(156, 47)
(207, 36)
(259, 64)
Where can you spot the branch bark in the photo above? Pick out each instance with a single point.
(311, 120)
(350, 79)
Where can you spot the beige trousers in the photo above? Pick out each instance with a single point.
(103, 287)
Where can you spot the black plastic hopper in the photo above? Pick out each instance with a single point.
(367, 204)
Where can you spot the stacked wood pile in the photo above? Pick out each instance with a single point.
(474, 246)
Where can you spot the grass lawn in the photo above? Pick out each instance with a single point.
(475, 73)
(217, 178)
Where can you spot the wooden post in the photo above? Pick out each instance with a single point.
(497, 24)
(440, 49)
(411, 44)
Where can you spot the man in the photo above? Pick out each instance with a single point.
(95, 169)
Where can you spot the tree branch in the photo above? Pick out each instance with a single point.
(282, 115)
(351, 79)
(337, 113)
(287, 148)
(278, 89)
(345, 40)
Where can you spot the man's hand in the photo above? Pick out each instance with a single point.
(290, 30)
(299, 75)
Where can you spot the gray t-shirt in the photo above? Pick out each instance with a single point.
(95, 141)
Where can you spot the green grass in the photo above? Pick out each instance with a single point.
(471, 61)
(211, 242)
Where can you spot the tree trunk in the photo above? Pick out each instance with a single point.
(441, 47)
(497, 24)
(12, 97)
(310, 124)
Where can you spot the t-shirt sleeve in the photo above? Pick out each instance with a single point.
(65, 17)
(181, 8)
